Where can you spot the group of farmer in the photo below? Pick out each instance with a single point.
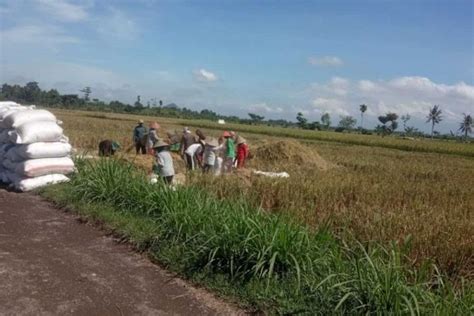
(199, 152)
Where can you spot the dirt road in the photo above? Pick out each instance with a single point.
(51, 264)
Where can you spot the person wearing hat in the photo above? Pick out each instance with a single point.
(242, 152)
(209, 157)
(140, 135)
(186, 141)
(229, 152)
(164, 161)
(152, 136)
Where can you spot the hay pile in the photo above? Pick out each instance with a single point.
(285, 153)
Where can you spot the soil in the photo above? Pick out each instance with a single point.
(52, 264)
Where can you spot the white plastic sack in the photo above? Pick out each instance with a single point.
(37, 151)
(34, 132)
(272, 174)
(7, 111)
(39, 167)
(8, 103)
(21, 117)
(29, 184)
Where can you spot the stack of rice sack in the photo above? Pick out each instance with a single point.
(33, 150)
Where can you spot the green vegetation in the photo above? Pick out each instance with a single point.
(270, 262)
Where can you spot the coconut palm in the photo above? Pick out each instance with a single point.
(363, 108)
(434, 117)
(466, 125)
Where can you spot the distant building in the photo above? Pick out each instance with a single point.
(222, 122)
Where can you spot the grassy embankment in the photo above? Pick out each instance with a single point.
(267, 261)
(373, 193)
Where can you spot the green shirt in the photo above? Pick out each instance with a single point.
(230, 148)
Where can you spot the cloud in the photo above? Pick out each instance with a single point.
(264, 108)
(408, 94)
(331, 61)
(37, 34)
(116, 24)
(205, 75)
(63, 10)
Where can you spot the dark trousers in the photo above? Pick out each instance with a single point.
(168, 180)
(140, 147)
(188, 159)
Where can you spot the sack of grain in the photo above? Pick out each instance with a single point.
(38, 150)
(19, 118)
(29, 184)
(34, 132)
(39, 167)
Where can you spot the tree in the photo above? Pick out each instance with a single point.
(32, 92)
(87, 91)
(384, 119)
(362, 108)
(466, 125)
(161, 103)
(314, 126)
(326, 120)
(434, 116)
(256, 118)
(302, 121)
(138, 104)
(347, 122)
(405, 118)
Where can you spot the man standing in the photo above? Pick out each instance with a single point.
(140, 135)
(186, 141)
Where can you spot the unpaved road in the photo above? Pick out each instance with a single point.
(51, 264)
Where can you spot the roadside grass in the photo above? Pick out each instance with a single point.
(268, 261)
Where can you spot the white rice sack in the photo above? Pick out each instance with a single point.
(38, 150)
(21, 117)
(9, 104)
(7, 111)
(34, 132)
(40, 167)
(29, 184)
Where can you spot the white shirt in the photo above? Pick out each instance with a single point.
(209, 155)
(165, 161)
(194, 149)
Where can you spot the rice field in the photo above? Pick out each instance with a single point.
(418, 194)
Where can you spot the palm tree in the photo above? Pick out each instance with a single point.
(466, 125)
(434, 117)
(363, 108)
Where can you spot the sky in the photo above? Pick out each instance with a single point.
(273, 58)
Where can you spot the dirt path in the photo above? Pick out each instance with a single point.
(50, 264)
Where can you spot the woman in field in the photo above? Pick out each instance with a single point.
(152, 137)
(164, 161)
(209, 157)
(229, 152)
(242, 151)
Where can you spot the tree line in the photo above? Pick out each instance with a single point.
(33, 94)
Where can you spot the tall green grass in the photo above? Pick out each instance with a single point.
(267, 261)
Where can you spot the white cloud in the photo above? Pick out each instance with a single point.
(116, 24)
(331, 61)
(37, 34)
(63, 10)
(264, 108)
(205, 75)
(409, 94)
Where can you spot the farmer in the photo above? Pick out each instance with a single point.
(164, 162)
(174, 141)
(108, 148)
(152, 137)
(140, 137)
(209, 156)
(229, 152)
(187, 140)
(242, 152)
(193, 155)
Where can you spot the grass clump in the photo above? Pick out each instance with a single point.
(267, 261)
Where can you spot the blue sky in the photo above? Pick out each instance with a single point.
(274, 58)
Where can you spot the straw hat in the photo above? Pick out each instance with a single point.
(155, 125)
(240, 140)
(186, 130)
(212, 142)
(226, 134)
(160, 143)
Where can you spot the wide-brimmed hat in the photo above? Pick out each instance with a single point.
(155, 125)
(240, 140)
(226, 134)
(212, 142)
(140, 121)
(186, 130)
(160, 143)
